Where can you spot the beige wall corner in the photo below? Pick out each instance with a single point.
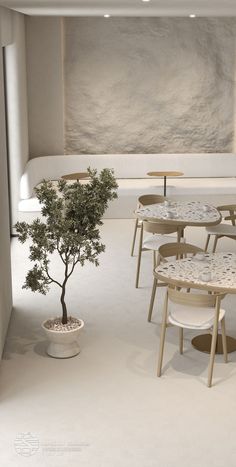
(5, 26)
(5, 263)
(44, 52)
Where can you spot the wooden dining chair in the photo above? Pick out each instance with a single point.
(170, 250)
(159, 236)
(223, 229)
(193, 311)
(144, 200)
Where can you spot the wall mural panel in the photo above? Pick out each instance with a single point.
(149, 85)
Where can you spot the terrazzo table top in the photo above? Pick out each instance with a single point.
(181, 213)
(220, 267)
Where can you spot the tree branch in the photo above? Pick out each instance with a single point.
(75, 261)
(60, 253)
(51, 279)
(72, 269)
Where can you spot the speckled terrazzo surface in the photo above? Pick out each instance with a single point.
(189, 212)
(221, 268)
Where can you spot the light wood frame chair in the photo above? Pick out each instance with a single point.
(160, 235)
(210, 316)
(176, 250)
(223, 229)
(144, 200)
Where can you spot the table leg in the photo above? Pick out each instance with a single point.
(203, 343)
(180, 233)
(164, 185)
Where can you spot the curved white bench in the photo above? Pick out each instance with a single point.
(207, 177)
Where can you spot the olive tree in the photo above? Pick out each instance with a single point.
(72, 215)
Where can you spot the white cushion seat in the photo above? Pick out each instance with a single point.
(174, 185)
(191, 317)
(154, 241)
(136, 187)
(29, 205)
(181, 185)
(222, 229)
(207, 178)
(203, 186)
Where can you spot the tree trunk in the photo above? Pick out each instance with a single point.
(64, 309)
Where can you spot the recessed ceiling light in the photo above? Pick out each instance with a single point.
(192, 16)
(107, 16)
(145, 0)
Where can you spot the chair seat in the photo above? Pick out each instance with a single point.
(193, 317)
(154, 241)
(222, 229)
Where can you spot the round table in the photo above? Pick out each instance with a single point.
(165, 174)
(181, 214)
(76, 176)
(187, 273)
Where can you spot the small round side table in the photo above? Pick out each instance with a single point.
(76, 176)
(165, 174)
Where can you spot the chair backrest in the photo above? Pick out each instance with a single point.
(145, 200)
(231, 218)
(193, 299)
(178, 250)
(231, 209)
(158, 228)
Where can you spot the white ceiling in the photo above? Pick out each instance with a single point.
(123, 8)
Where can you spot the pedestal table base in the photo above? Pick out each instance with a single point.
(203, 343)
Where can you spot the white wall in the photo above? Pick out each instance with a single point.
(17, 108)
(5, 265)
(44, 54)
(6, 26)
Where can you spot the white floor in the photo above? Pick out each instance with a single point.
(106, 407)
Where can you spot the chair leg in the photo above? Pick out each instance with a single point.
(180, 234)
(139, 257)
(134, 237)
(213, 343)
(154, 288)
(181, 340)
(215, 243)
(224, 340)
(154, 260)
(163, 333)
(207, 242)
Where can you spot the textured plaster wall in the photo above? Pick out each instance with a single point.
(149, 85)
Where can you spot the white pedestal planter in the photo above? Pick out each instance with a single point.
(63, 344)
